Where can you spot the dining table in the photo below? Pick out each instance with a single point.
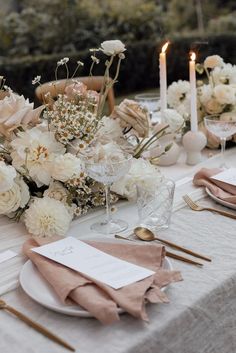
(201, 314)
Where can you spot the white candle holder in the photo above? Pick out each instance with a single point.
(193, 143)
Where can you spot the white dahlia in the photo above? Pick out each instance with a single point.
(177, 93)
(47, 217)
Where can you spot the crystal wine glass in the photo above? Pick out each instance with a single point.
(222, 129)
(151, 102)
(107, 172)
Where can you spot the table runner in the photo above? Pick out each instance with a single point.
(12, 235)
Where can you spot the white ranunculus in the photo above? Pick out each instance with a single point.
(66, 167)
(47, 217)
(15, 111)
(213, 106)
(142, 173)
(173, 119)
(16, 197)
(110, 130)
(36, 150)
(57, 191)
(7, 176)
(225, 94)
(112, 47)
(177, 93)
(213, 61)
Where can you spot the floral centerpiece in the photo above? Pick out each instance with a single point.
(216, 96)
(43, 180)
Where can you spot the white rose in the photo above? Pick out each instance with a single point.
(112, 47)
(230, 116)
(15, 111)
(173, 119)
(225, 94)
(213, 61)
(142, 173)
(7, 176)
(66, 166)
(47, 217)
(110, 130)
(16, 197)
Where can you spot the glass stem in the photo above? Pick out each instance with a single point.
(108, 203)
(223, 142)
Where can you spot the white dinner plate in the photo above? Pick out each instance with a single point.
(222, 202)
(39, 290)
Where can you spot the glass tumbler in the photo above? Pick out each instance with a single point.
(155, 208)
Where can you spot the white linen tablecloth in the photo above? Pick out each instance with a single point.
(201, 316)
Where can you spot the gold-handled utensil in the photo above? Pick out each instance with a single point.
(195, 207)
(147, 235)
(170, 254)
(44, 331)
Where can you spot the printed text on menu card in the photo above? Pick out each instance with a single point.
(93, 263)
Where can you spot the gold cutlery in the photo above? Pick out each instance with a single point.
(44, 331)
(147, 235)
(168, 253)
(194, 206)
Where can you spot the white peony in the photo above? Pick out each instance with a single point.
(16, 197)
(66, 167)
(47, 217)
(36, 150)
(142, 173)
(177, 93)
(110, 130)
(15, 111)
(112, 47)
(225, 94)
(213, 61)
(7, 176)
(173, 119)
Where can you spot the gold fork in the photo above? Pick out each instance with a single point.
(194, 206)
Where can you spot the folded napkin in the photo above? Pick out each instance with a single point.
(220, 189)
(99, 299)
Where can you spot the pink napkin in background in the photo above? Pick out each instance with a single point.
(223, 191)
(99, 299)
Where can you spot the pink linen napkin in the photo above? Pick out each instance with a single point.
(99, 299)
(220, 189)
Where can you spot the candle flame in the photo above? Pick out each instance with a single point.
(193, 56)
(164, 47)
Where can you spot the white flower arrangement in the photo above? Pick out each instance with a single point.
(217, 96)
(43, 180)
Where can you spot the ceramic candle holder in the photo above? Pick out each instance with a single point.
(193, 143)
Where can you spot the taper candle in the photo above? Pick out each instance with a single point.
(163, 77)
(193, 90)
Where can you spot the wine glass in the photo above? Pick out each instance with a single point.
(151, 102)
(107, 171)
(222, 129)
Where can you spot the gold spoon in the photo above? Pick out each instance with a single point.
(35, 325)
(168, 253)
(147, 235)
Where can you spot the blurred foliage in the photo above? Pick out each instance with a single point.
(139, 70)
(52, 26)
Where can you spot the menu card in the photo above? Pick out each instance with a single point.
(93, 263)
(227, 176)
